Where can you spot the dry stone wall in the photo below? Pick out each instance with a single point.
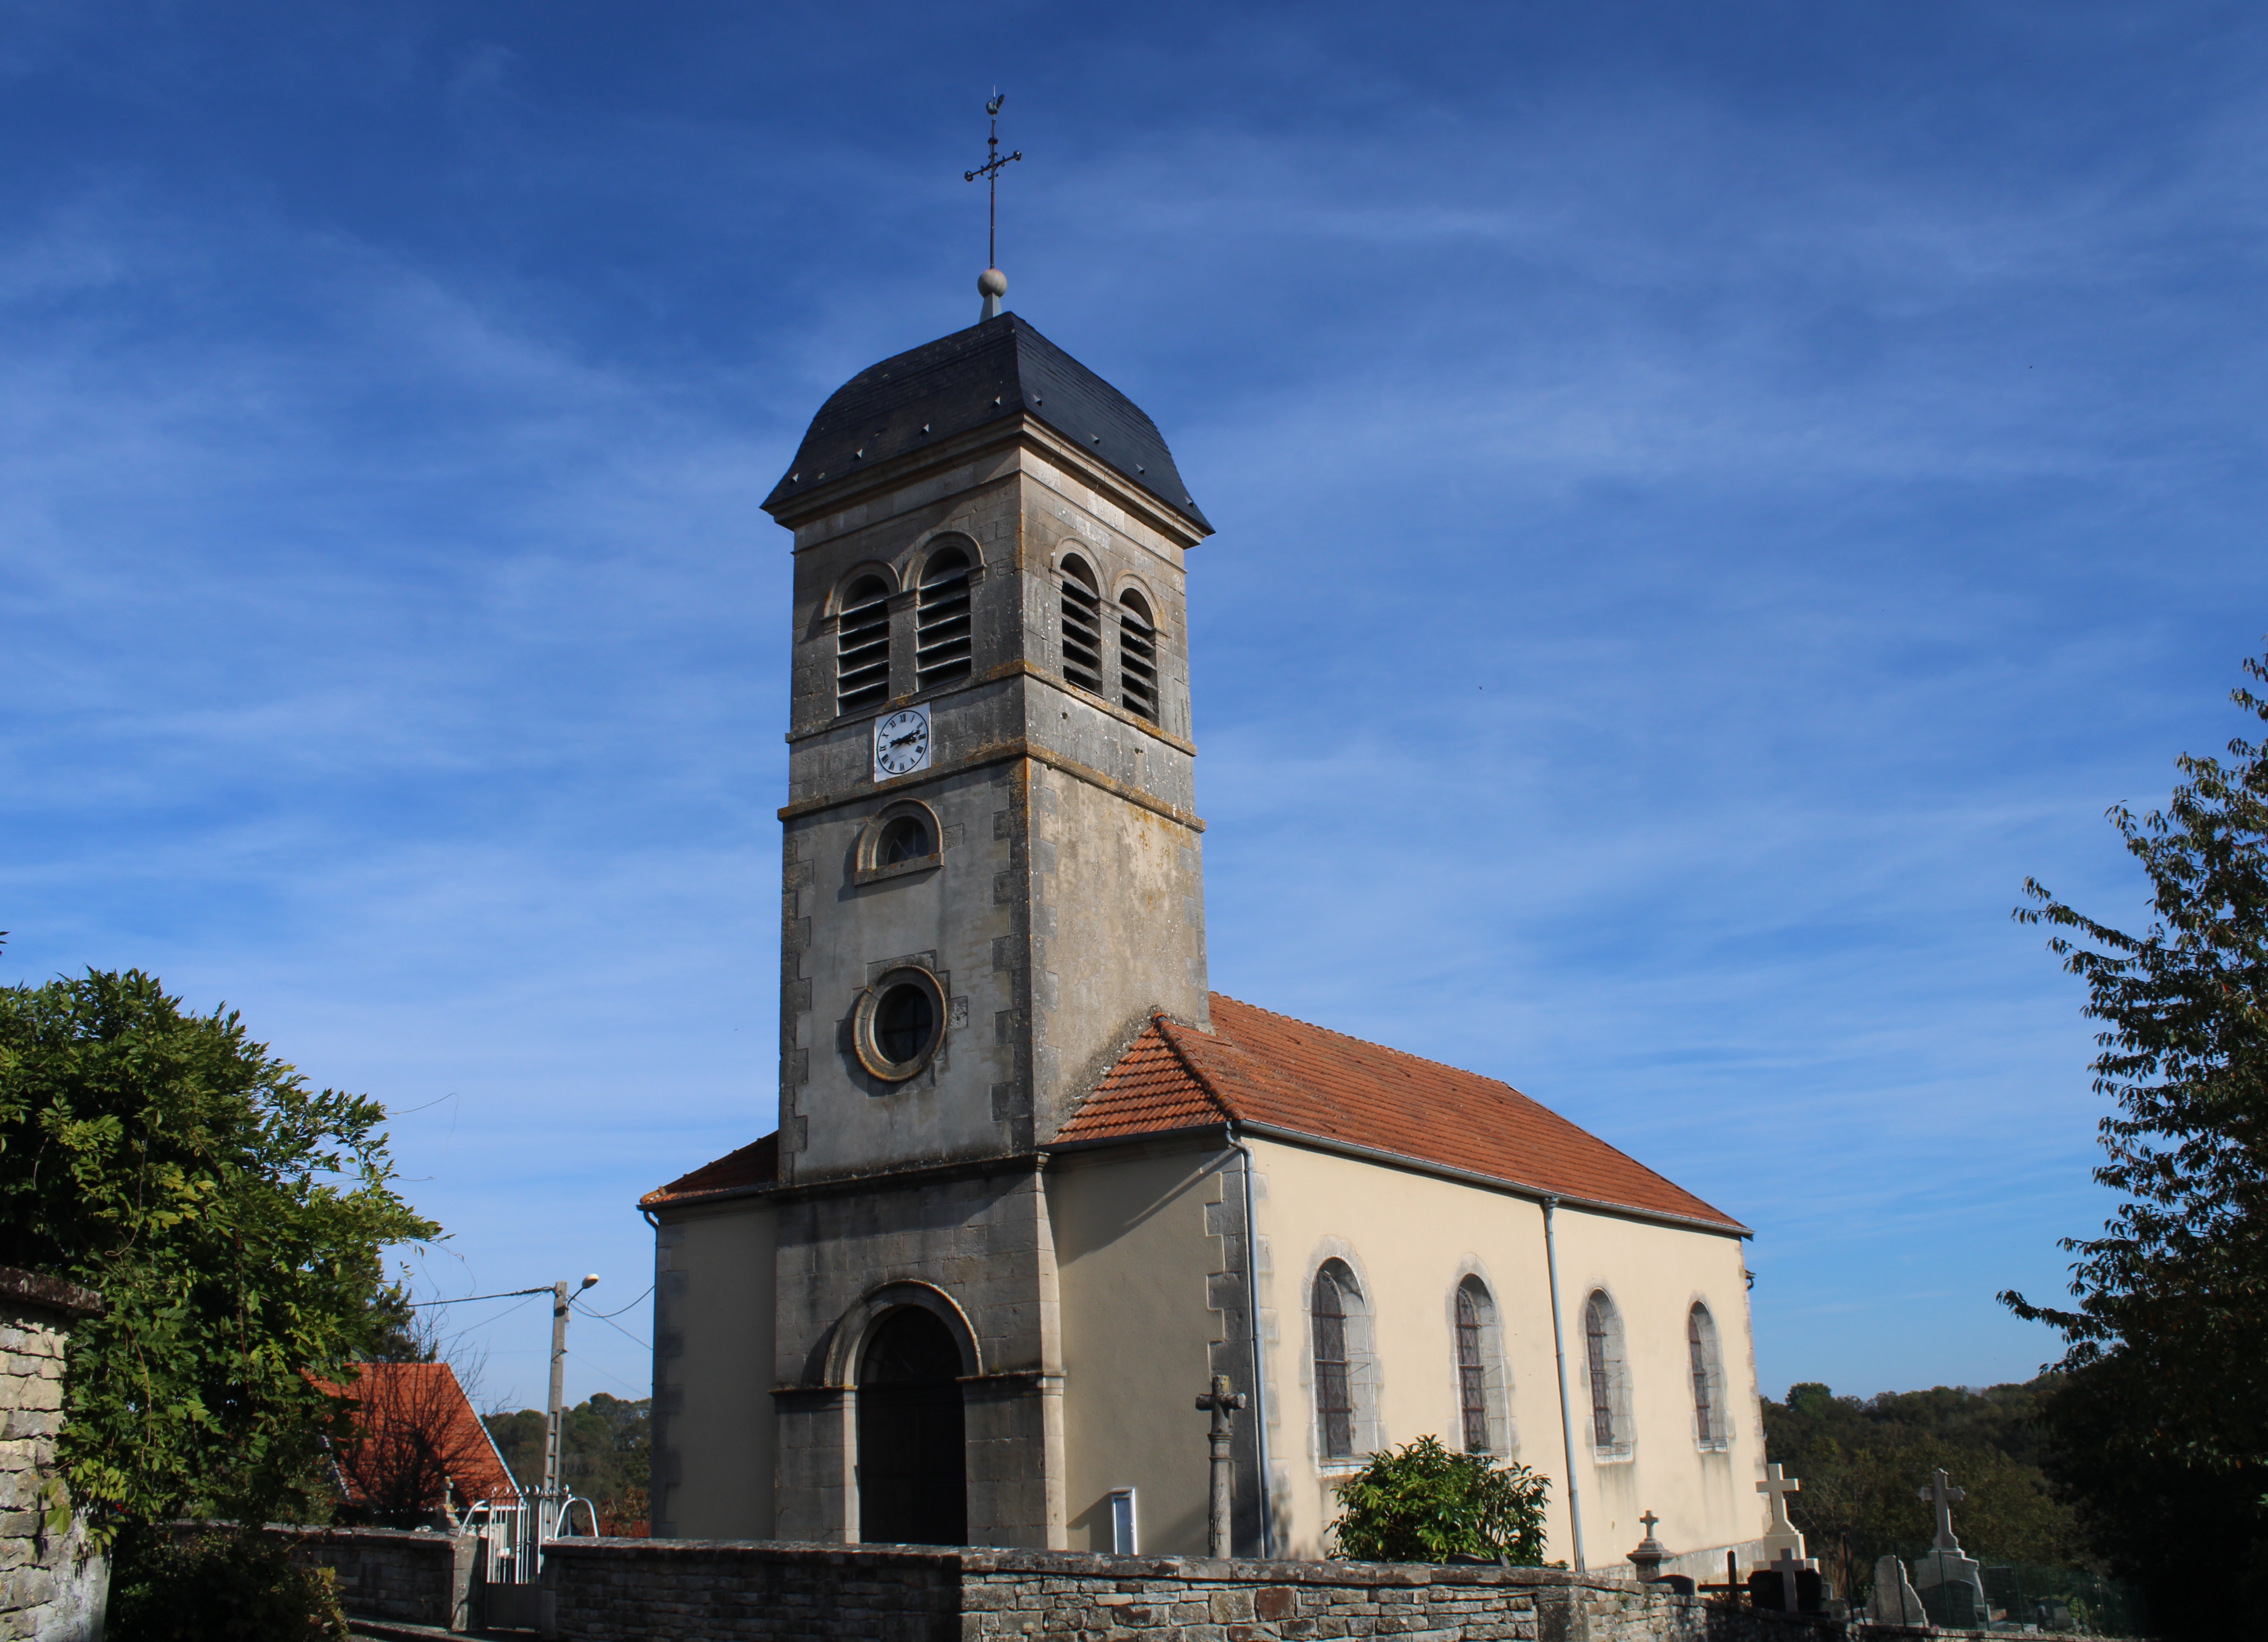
(52, 1586)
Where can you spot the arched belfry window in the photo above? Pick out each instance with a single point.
(942, 638)
(1607, 1371)
(1082, 627)
(1138, 657)
(1712, 1425)
(862, 646)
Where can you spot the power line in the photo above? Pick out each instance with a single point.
(463, 1300)
(603, 1316)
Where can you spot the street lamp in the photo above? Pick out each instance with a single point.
(561, 1297)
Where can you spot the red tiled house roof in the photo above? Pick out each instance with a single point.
(1271, 1075)
(420, 1406)
(1268, 1073)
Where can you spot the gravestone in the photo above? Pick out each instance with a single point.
(1783, 1535)
(1895, 1602)
(1950, 1584)
(1651, 1552)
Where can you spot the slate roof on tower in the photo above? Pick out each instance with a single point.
(1267, 1072)
(993, 371)
(1270, 1074)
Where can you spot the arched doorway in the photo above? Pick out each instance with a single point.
(913, 1486)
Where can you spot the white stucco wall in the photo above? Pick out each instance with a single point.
(713, 1328)
(1411, 1238)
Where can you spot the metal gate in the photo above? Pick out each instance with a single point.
(507, 1589)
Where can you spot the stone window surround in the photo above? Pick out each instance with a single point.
(904, 586)
(862, 1023)
(1496, 1384)
(864, 869)
(1366, 1374)
(1623, 1449)
(1722, 1430)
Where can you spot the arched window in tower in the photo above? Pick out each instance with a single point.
(942, 653)
(1602, 1339)
(1138, 657)
(1712, 1426)
(1082, 627)
(862, 646)
(1473, 1318)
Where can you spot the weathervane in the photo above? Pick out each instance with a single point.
(992, 284)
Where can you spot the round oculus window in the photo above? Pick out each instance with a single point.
(900, 1022)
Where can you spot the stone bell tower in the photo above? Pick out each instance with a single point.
(992, 865)
(992, 878)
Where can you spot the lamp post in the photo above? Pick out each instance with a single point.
(561, 1297)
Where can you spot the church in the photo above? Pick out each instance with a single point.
(1033, 1184)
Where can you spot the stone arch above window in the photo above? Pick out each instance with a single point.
(1606, 1374)
(1082, 623)
(1343, 1365)
(1713, 1409)
(1477, 1339)
(943, 631)
(900, 838)
(862, 642)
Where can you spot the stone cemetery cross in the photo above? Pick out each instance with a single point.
(1220, 1402)
(1779, 1488)
(1942, 1494)
(1787, 1567)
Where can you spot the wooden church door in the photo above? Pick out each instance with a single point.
(913, 1487)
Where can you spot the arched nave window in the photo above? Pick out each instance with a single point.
(1483, 1408)
(1712, 1425)
(1607, 1369)
(1345, 1366)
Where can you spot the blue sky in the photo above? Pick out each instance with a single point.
(1709, 500)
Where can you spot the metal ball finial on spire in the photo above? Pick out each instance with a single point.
(992, 284)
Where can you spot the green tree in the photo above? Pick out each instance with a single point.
(1421, 1503)
(2159, 1426)
(606, 1455)
(233, 1219)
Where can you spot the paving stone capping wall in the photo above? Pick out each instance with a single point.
(732, 1590)
(51, 1585)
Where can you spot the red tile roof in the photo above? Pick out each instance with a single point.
(419, 1409)
(753, 1164)
(1269, 1073)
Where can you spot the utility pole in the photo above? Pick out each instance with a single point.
(561, 1297)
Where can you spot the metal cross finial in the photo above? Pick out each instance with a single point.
(990, 172)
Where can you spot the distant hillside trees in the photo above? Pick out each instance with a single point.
(1862, 1463)
(606, 1455)
(2158, 1424)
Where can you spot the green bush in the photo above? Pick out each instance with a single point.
(1421, 1503)
(226, 1585)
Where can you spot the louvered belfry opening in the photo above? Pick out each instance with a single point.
(1697, 1345)
(861, 647)
(1334, 1392)
(1472, 1384)
(1082, 627)
(1138, 658)
(943, 652)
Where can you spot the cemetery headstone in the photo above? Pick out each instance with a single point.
(1651, 1552)
(1783, 1534)
(1951, 1585)
(1895, 1602)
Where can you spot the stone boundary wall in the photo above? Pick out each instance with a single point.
(758, 1591)
(400, 1574)
(52, 1586)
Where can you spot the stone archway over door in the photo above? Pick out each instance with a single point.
(913, 1481)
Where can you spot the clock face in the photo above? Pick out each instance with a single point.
(902, 743)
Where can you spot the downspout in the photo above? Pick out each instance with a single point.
(1559, 1355)
(1259, 1380)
